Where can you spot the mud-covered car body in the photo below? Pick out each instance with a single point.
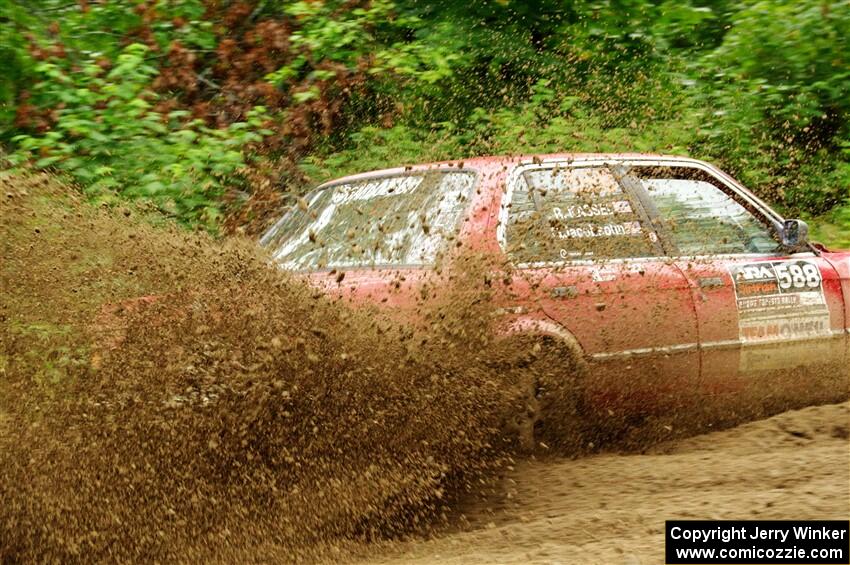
(663, 273)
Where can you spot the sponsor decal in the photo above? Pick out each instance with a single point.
(381, 187)
(591, 210)
(780, 300)
(604, 230)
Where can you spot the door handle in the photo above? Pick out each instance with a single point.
(711, 282)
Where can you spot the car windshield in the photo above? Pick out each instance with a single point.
(399, 220)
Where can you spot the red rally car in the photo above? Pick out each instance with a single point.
(663, 276)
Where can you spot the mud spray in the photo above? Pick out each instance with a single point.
(236, 414)
(167, 397)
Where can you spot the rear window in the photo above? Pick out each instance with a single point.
(568, 213)
(400, 220)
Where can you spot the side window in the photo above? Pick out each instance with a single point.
(401, 220)
(699, 216)
(560, 213)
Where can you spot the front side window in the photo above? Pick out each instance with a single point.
(699, 216)
(400, 220)
(560, 213)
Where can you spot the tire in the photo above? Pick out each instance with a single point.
(546, 377)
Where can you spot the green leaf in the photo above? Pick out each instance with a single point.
(47, 161)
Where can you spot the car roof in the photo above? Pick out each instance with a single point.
(497, 161)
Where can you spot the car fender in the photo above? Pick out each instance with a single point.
(534, 326)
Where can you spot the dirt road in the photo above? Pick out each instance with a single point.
(611, 508)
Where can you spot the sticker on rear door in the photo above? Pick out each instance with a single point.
(780, 300)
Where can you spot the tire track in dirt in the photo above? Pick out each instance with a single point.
(612, 508)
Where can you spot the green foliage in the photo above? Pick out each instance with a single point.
(335, 35)
(776, 99)
(761, 87)
(548, 122)
(794, 57)
(53, 27)
(109, 138)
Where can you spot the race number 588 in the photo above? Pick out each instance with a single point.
(795, 275)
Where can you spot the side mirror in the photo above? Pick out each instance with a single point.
(794, 235)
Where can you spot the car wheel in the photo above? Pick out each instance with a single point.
(546, 378)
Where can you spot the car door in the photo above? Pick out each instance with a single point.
(585, 253)
(768, 321)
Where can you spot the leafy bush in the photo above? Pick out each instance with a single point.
(111, 140)
(66, 33)
(776, 95)
(549, 121)
(788, 62)
(760, 87)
